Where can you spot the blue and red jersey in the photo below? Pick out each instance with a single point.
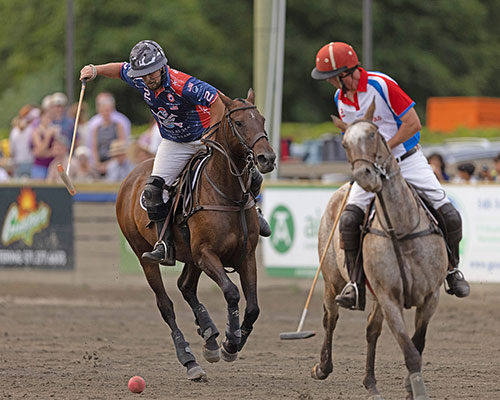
(181, 107)
(391, 103)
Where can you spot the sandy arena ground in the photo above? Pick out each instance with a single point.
(65, 335)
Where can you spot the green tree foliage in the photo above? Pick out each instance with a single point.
(432, 48)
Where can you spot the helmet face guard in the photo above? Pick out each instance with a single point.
(333, 59)
(146, 57)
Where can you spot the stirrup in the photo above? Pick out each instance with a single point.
(159, 256)
(457, 277)
(357, 303)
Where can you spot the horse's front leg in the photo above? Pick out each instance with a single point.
(248, 278)
(373, 330)
(166, 307)
(322, 369)
(210, 263)
(188, 284)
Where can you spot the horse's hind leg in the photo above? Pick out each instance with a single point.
(166, 307)
(248, 278)
(322, 369)
(393, 313)
(373, 330)
(187, 284)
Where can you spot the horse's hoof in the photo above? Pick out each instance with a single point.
(316, 373)
(228, 357)
(196, 374)
(212, 356)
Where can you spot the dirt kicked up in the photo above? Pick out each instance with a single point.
(64, 339)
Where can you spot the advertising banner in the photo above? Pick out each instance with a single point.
(36, 227)
(295, 213)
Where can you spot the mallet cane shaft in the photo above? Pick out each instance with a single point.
(316, 276)
(65, 174)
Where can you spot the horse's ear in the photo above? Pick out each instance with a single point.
(371, 110)
(226, 100)
(251, 96)
(339, 123)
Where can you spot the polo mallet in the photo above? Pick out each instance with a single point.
(299, 334)
(65, 174)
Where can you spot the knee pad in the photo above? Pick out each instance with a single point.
(350, 226)
(153, 198)
(453, 222)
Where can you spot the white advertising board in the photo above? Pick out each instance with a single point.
(295, 213)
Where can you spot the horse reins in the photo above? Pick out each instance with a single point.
(246, 202)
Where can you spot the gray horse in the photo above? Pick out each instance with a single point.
(411, 278)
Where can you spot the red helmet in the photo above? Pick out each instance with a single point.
(334, 58)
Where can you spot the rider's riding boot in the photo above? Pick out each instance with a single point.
(255, 185)
(163, 251)
(457, 284)
(264, 228)
(353, 294)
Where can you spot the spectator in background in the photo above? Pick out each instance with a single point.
(106, 99)
(150, 138)
(83, 123)
(42, 140)
(119, 166)
(465, 173)
(57, 109)
(105, 132)
(496, 167)
(83, 170)
(438, 166)
(60, 149)
(484, 174)
(139, 152)
(20, 140)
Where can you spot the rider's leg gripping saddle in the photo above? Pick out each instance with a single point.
(457, 284)
(164, 249)
(255, 185)
(353, 294)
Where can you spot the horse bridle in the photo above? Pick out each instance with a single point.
(381, 169)
(261, 135)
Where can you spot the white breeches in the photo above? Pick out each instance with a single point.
(171, 158)
(417, 171)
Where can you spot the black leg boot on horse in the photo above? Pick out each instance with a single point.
(264, 228)
(457, 284)
(164, 249)
(353, 294)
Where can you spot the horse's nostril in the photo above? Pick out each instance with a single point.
(368, 171)
(262, 159)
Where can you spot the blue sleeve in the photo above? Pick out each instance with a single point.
(123, 75)
(199, 92)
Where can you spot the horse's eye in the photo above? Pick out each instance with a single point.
(238, 123)
(372, 135)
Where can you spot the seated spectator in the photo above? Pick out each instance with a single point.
(57, 109)
(151, 138)
(4, 175)
(83, 171)
(83, 122)
(139, 152)
(20, 140)
(106, 99)
(465, 173)
(496, 167)
(119, 166)
(484, 174)
(60, 149)
(103, 134)
(42, 140)
(438, 166)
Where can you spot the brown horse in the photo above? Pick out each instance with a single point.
(223, 232)
(411, 278)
